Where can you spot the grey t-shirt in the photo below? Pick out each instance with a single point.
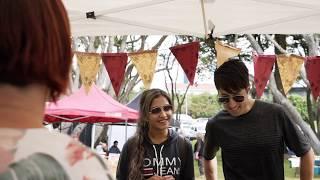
(252, 145)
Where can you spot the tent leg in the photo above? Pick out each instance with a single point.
(126, 134)
(93, 132)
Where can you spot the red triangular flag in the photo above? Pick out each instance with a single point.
(312, 65)
(115, 64)
(187, 56)
(263, 65)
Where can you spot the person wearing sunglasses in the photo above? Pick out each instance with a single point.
(251, 134)
(156, 152)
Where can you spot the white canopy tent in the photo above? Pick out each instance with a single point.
(189, 17)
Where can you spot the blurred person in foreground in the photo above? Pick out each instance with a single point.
(35, 52)
(156, 152)
(251, 133)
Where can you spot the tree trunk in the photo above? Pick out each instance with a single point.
(313, 107)
(294, 115)
(311, 114)
(281, 40)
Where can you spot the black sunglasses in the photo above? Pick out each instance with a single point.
(226, 99)
(157, 110)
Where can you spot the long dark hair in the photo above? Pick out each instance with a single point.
(137, 155)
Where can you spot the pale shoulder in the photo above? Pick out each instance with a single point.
(58, 150)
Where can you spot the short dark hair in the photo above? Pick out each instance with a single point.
(35, 44)
(231, 76)
(114, 142)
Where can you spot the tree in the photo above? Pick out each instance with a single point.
(300, 104)
(204, 105)
(281, 99)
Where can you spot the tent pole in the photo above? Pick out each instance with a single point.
(204, 19)
(126, 134)
(93, 132)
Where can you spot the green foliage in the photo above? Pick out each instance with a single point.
(203, 105)
(301, 105)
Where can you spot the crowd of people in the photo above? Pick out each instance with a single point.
(35, 51)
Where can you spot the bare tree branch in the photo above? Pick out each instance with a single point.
(133, 40)
(254, 44)
(143, 42)
(312, 46)
(277, 45)
(156, 46)
(110, 44)
(123, 43)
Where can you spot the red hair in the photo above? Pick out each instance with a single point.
(35, 44)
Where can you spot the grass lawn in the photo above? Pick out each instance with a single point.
(288, 172)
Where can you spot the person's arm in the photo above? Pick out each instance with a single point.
(209, 154)
(197, 150)
(198, 146)
(306, 165)
(296, 141)
(211, 169)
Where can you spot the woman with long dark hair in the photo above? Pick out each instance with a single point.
(155, 151)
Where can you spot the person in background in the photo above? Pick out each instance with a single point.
(251, 133)
(104, 145)
(114, 148)
(156, 152)
(198, 152)
(35, 52)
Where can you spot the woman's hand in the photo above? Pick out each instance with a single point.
(155, 178)
(161, 178)
(168, 178)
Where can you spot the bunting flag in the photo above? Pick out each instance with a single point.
(289, 68)
(263, 65)
(312, 66)
(224, 52)
(145, 63)
(115, 64)
(89, 66)
(187, 56)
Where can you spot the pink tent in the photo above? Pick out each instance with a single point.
(96, 106)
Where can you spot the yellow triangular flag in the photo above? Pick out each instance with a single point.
(289, 68)
(224, 52)
(145, 63)
(89, 66)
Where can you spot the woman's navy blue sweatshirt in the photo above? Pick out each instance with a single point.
(172, 157)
